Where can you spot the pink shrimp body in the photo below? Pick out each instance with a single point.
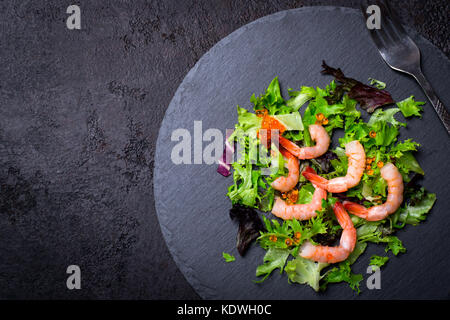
(339, 253)
(285, 184)
(390, 173)
(356, 164)
(318, 134)
(300, 211)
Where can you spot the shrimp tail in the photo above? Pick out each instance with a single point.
(356, 209)
(342, 216)
(290, 146)
(315, 179)
(285, 153)
(309, 170)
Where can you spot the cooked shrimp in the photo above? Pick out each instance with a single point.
(300, 211)
(318, 134)
(356, 164)
(285, 184)
(390, 173)
(333, 254)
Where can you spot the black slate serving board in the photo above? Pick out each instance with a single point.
(190, 199)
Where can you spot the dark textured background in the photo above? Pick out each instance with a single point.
(79, 117)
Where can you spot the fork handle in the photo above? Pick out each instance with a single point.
(437, 104)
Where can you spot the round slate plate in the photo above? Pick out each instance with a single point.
(190, 199)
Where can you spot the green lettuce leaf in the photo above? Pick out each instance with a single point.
(320, 105)
(292, 121)
(410, 107)
(377, 83)
(305, 271)
(378, 261)
(228, 257)
(385, 134)
(407, 163)
(402, 147)
(373, 232)
(245, 187)
(299, 98)
(248, 121)
(416, 211)
(305, 194)
(386, 116)
(275, 258)
(271, 100)
(342, 273)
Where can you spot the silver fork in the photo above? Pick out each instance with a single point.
(401, 53)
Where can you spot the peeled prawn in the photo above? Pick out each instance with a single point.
(318, 134)
(300, 211)
(356, 164)
(339, 253)
(285, 184)
(390, 173)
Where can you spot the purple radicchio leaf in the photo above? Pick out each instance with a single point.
(324, 161)
(368, 97)
(250, 225)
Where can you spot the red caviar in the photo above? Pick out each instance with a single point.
(269, 123)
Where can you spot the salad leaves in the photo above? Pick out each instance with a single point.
(339, 105)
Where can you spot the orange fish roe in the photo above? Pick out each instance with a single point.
(368, 167)
(292, 196)
(273, 238)
(320, 116)
(372, 134)
(288, 242)
(297, 235)
(261, 113)
(321, 119)
(380, 164)
(370, 172)
(370, 160)
(269, 123)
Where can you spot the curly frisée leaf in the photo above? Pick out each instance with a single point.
(275, 258)
(343, 273)
(228, 257)
(416, 211)
(248, 121)
(407, 162)
(377, 83)
(410, 107)
(305, 271)
(272, 100)
(378, 261)
(387, 116)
